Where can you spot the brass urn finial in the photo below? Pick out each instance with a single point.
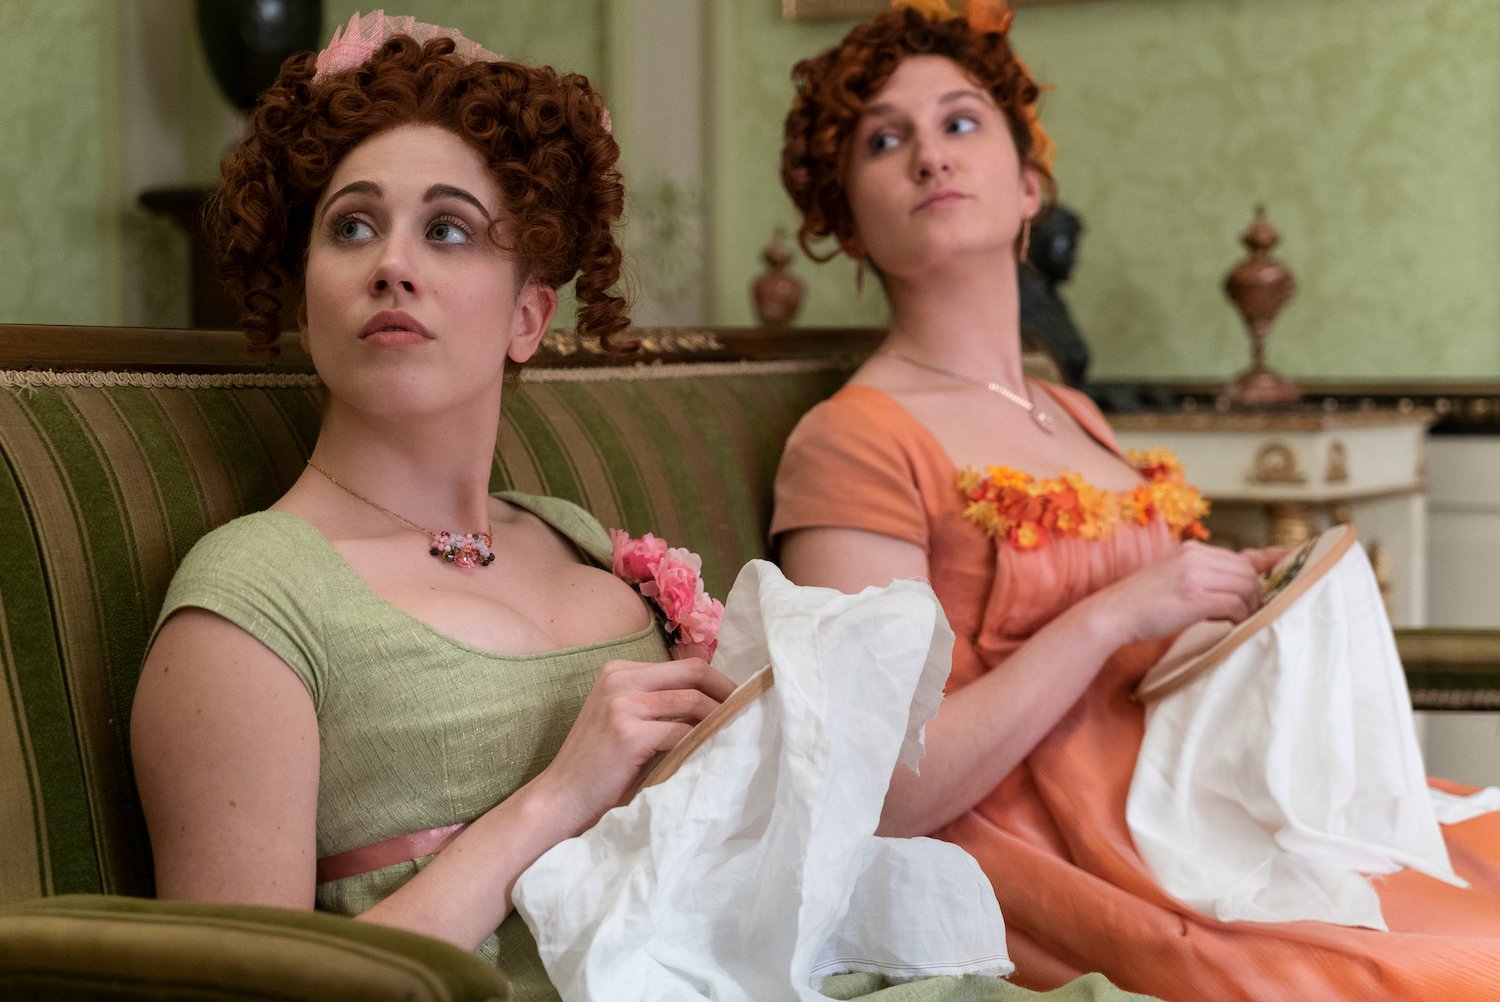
(1259, 287)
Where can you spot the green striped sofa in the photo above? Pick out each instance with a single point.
(122, 447)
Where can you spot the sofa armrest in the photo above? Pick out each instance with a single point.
(108, 947)
(1451, 669)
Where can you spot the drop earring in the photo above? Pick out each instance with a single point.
(1025, 240)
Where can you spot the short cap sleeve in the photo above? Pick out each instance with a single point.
(848, 465)
(251, 571)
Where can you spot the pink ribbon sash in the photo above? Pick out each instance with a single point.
(367, 858)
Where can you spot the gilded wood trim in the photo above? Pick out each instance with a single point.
(126, 349)
(1268, 421)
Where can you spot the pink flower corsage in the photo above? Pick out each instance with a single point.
(671, 578)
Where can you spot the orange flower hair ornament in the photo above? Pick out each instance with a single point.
(993, 16)
(982, 15)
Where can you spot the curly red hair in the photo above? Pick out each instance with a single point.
(544, 136)
(834, 86)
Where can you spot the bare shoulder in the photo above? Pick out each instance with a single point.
(224, 740)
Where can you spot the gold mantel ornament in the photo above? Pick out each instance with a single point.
(1259, 286)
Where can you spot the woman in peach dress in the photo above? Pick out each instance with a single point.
(1064, 565)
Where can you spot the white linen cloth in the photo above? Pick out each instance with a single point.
(1267, 786)
(1453, 809)
(754, 871)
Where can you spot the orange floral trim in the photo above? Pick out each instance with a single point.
(1027, 512)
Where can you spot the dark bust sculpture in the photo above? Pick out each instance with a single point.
(1046, 324)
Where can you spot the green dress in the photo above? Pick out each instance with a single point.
(415, 729)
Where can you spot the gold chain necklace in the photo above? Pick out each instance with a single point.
(462, 549)
(1042, 419)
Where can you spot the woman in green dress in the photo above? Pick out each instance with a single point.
(324, 702)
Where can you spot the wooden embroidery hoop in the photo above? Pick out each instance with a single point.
(719, 718)
(1203, 646)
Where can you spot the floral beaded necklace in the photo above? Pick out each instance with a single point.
(461, 549)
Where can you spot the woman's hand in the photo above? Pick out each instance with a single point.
(1265, 557)
(635, 711)
(1193, 583)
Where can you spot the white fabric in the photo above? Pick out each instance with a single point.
(754, 871)
(1268, 785)
(1452, 808)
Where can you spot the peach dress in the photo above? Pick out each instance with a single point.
(1052, 836)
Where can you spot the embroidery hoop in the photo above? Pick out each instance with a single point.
(718, 718)
(1203, 646)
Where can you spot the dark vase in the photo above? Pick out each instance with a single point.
(246, 41)
(777, 294)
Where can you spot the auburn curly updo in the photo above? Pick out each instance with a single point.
(834, 86)
(544, 136)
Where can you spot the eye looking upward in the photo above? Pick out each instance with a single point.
(449, 230)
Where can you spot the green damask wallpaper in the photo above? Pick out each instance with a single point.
(57, 170)
(72, 235)
(1369, 128)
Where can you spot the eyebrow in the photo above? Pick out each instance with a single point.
(438, 191)
(951, 96)
(432, 194)
(365, 187)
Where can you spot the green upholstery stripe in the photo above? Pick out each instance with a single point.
(650, 427)
(26, 644)
(203, 424)
(759, 451)
(695, 434)
(299, 415)
(177, 497)
(22, 837)
(526, 431)
(87, 540)
(237, 426)
(114, 511)
(651, 482)
(619, 487)
(63, 835)
(286, 422)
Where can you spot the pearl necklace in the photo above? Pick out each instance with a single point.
(462, 549)
(1042, 419)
